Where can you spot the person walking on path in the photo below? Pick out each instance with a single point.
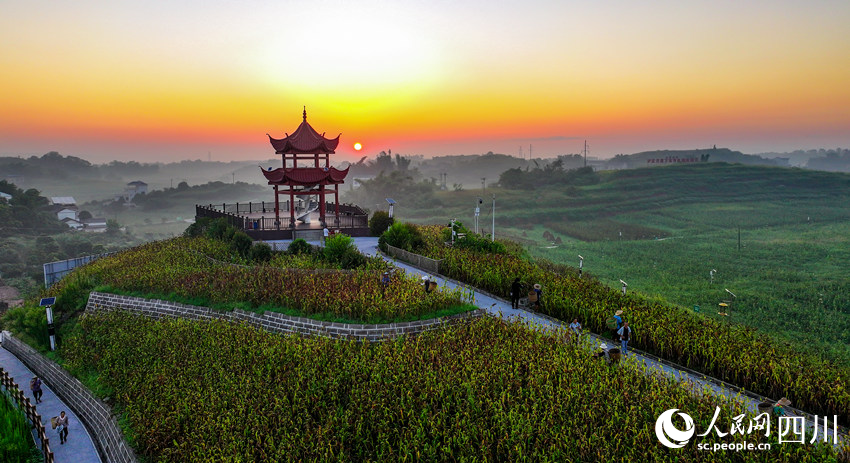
(35, 387)
(427, 282)
(62, 427)
(625, 335)
(539, 290)
(325, 234)
(516, 290)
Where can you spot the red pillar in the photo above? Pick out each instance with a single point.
(322, 205)
(276, 209)
(291, 207)
(336, 204)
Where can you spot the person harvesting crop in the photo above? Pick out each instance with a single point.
(625, 334)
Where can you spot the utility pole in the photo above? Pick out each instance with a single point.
(585, 153)
(529, 151)
(483, 185)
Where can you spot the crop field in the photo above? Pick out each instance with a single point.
(16, 442)
(200, 268)
(737, 354)
(482, 391)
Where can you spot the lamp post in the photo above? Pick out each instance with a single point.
(47, 303)
(711, 275)
(477, 213)
(580, 264)
(493, 235)
(391, 202)
(624, 286)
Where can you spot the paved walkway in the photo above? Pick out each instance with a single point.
(497, 306)
(79, 448)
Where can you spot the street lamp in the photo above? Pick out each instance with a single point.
(47, 303)
(493, 235)
(391, 202)
(478, 213)
(711, 275)
(624, 286)
(580, 264)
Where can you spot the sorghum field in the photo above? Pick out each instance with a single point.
(482, 391)
(207, 269)
(737, 354)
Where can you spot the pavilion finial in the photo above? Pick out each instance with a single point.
(305, 113)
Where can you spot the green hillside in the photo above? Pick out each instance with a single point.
(662, 230)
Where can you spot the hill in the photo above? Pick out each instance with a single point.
(663, 229)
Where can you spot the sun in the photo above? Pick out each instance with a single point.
(358, 147)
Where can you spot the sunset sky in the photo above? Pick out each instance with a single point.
(160, 81)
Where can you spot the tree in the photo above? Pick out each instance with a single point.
(379, 223)
(112, 227)
(85, 215)
(182, 186)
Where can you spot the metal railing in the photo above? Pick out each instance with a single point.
(350, 215)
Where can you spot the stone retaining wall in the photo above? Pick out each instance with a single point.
(95, 415)
(431, 265)
(271, 321)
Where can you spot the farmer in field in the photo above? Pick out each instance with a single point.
(625, 334)
(575, 326)
(539, 290)
(35, 387)
(385, 281)
(427, 281)
(516, 290)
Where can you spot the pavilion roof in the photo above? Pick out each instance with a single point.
(305, 175)
(305, 140)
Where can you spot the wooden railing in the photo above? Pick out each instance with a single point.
(29, 410)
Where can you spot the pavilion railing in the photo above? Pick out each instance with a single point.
(350, 215)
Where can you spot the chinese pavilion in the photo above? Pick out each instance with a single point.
(314, 176)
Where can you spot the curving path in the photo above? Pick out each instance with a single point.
(79, 448)
(500, 307)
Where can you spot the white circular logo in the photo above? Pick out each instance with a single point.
(671, 436)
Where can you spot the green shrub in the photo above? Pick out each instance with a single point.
(299, 246)
(218, 230)
(198, 228)
(260, 252)
(241, 242)
(402, 235)
(29, 324)
(379, 223)
(340, 249)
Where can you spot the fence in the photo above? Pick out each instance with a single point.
(29, 410)
(423, 262)
(273, 322)
(54, 271)
(97, 417)
(350, 215)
